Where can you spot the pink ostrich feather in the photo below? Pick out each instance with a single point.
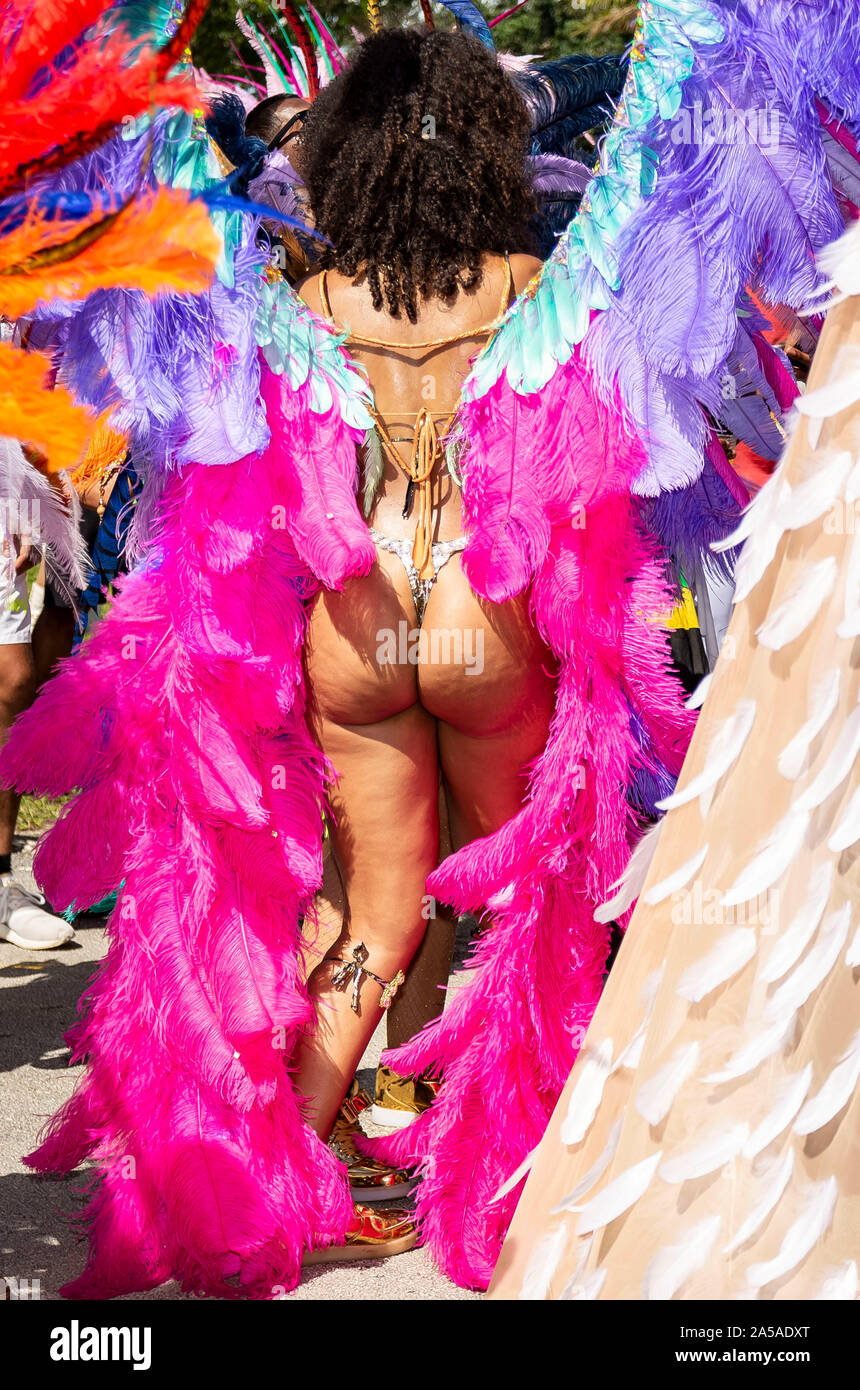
(507, 1040)
(779, 377)
(185, 710)
(319, 465)
(199, 777)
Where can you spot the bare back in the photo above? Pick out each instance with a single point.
(407, 379)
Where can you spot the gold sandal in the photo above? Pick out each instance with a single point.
(370, 1180)
(373, 1235)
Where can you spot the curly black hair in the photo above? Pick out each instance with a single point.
(415, 163)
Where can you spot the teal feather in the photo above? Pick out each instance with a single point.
(541, 332)
(295, 341)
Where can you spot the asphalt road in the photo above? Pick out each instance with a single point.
(37, 1005)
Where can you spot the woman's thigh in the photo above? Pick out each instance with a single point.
(356, 649)
(487, 678)
(365, 716)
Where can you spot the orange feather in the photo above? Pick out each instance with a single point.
(36, 415)
(108, 446)
(160, 242)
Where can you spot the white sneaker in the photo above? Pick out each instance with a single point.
(388, 1118)
(24, 921)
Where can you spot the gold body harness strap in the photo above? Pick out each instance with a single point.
(426, 436)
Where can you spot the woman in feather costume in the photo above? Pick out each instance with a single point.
(197, 744)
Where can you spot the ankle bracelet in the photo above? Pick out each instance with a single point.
(354, 968)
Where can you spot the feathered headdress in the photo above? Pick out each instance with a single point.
(65, 246)
(568, 96)
(298, 52)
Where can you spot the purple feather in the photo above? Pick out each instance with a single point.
(552, 173)
(748, 402)
(743, 197)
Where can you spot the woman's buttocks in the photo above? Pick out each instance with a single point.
(476, 665)
(482, 666)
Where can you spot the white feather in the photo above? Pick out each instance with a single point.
(850, 624)
(730, 954)
(771, 859)
(543, 1264)
(592, 1072)
(674, 881)
(766, 534)
(618, 1195)
(723, 750)
(839, 392)
(852, 955)
(847, 831)
(765, 503)
(813, 431)
(790, 1095)
(801, 605)
(840, 260)
(50, 513)
(697, 699)
(631, 882)
(753, 1053)
(775, 1179)
(840, 1283)
(631, 1055)
(673, 1265)
(814, 968)
(816, 495)
(714, 1152)
(790, 944)
(274, 83)
(770, 501)
(849, 627)
(800, 1237)
(594, 1174)
(794, 758)
(651, 988)
(837, 767)
(587, 1288)
(836, 1092)
(852, 487)
(516, 1176)
(655, 1096)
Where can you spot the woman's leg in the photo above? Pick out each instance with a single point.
(422, 998)
(494, 708)
(386, 831)
(487, 678)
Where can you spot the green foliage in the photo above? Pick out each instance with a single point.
(554, 28)
(548, 27)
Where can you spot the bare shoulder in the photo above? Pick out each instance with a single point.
(523, 269)
(308, 290)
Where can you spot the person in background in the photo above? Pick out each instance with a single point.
(24, 919)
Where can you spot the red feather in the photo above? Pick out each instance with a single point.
(303, 38)
(45, 29)
(110, 79)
